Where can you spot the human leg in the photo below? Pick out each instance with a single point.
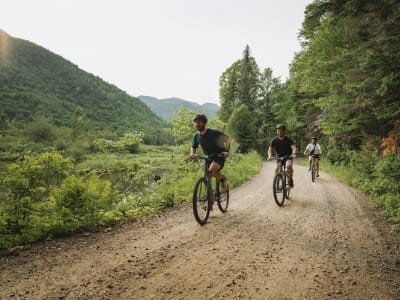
(214, 171)
(276, 167)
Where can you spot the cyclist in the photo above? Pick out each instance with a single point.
(313, 148)
(283, 146)
(212, 141)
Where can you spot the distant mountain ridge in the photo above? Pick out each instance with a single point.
(166, 108)
(34, 82)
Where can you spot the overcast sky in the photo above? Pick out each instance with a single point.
(161, 48)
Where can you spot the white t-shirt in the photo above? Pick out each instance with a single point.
(310, 147)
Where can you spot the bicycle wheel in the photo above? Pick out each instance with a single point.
(201, 201)
(222, 198)
(313, 170)
(279, 189)
(287, 186)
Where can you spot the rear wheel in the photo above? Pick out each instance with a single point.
(313, 170)
(279, 189)
(222, 198)
(201, 200)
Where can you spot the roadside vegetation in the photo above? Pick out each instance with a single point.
(48, 192)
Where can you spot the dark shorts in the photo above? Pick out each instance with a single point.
(219, 160)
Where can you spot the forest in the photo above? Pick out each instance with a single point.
(77, 153)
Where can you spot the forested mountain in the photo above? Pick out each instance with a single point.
(166, 108)
(35, 82)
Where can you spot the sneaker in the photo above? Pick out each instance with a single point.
(291, 184)
(309, 169)
(224, 186)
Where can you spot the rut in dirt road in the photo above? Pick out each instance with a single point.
(324, 243)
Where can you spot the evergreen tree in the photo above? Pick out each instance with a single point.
(241, 126)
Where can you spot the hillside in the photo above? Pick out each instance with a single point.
(36, 82)
(166, 108)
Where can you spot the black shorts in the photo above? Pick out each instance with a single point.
(219, 160)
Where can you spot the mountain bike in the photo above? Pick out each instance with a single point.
(281, 187)
(204, 195)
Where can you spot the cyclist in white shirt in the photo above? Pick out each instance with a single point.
(313, 148)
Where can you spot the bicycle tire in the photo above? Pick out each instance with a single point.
(222, 199)
(279, 189)
(201, 200)
(313, 170)
(287, 186)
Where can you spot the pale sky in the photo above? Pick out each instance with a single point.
(161, 48)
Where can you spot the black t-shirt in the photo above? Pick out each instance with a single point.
(282, 147)
(213, 141)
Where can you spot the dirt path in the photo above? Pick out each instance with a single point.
(325, 243)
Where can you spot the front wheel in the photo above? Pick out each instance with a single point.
(313, 171)
(202, 200)
(222, 198)
(279, 189)
(287, 189)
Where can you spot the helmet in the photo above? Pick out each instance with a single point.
(313, 138)
(281, 126)
(200, 117)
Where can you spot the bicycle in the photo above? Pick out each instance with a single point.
(204, 196)
(281, 187)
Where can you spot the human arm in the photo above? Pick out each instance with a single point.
(306, 150)
(294, 150)
(269, 153)
(228, 144)
(192, 152)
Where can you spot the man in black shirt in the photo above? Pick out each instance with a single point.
(283, 146)
(212, 141)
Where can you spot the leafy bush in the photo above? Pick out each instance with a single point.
(129, 142)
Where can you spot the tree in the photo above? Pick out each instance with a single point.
(229, 91)
(239, 84)
(241, 126)
(77, 123)
(249, 82)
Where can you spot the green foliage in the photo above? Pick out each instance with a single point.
(41, 131)
(26, 212)
(182, 125)
(346, 76)
(240, 84)
(130, 142)
(82, 203)
(242, 127)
